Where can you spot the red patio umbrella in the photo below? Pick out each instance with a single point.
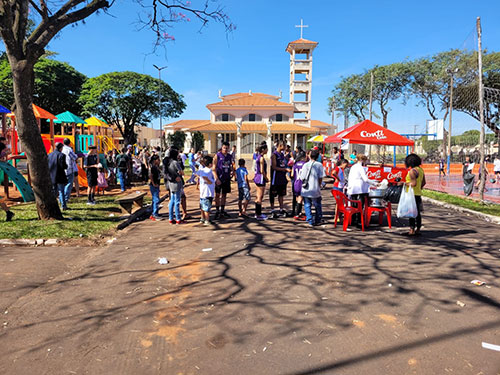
(368, 133)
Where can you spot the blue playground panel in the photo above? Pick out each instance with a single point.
(18, 179)
(83, 142)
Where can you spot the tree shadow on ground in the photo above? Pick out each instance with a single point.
(285, 278)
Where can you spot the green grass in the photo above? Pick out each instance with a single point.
(89, 221)
(490, 209)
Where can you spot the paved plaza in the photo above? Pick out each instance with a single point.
(273, 297)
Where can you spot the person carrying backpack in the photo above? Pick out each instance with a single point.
(173, 179)
(312, 174)
(122, 161)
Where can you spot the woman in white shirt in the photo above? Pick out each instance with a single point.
(496, 167)
(358, 183)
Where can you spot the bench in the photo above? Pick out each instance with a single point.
(128, 202)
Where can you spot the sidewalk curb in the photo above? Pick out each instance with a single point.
(485, 217)
(28, 242)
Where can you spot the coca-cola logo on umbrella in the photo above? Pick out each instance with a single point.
(379, 134)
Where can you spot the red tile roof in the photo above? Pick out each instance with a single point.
(249, 100)
(245, 94)
(310, 44)
(303, 41)
(320, 124)
(187, 124)
(254, 127)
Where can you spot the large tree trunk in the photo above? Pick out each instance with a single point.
(29, 134)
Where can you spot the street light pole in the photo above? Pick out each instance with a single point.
(333, 108)
(482, 181)
(159, 90)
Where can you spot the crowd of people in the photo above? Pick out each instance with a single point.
(214, 177)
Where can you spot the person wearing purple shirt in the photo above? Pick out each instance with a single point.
(279, 181)
(223, 167)
(260, 180)
(297, 198)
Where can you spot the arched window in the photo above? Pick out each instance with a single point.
(252, 117)
(279, 117)
(225, 117)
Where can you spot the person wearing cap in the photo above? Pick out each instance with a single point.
(91, 165)
(57, 170)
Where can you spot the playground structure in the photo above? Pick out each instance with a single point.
(81, 133)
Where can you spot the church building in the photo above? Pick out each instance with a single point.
(246, 119)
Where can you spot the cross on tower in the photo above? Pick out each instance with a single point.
(301, 27)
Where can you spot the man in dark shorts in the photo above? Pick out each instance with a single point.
(278, 179)
(91, 167)
(223, 167)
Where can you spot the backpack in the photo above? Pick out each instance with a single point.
(167, 170)
(122, 162)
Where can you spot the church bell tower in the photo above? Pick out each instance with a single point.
(301, 60)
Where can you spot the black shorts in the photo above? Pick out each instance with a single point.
(278, 190)
(92, 177)
(224, 187)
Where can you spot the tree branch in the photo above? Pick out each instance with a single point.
(42, 10)
(159, 21)
(49, 27)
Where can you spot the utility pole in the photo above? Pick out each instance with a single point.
(481, 109)
(332, 108)
(371, 94)
(159, 91)
(346, 120)
(370, 113)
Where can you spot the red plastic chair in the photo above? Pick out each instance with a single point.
(342, 207)
(381, 211)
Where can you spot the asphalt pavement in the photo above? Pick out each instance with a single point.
(248, 297)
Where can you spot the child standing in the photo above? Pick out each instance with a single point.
(91, 164)
(206, 186)
(102, 183)
(154, 186)
(243, 188)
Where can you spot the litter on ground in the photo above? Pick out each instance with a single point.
(162, 260)
(491, 346)
(477, 282)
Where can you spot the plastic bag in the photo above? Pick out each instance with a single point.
(393, 193)
(407, 206)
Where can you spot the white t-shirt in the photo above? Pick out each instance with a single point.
(358, 182)
(496, 165)
(206, 190)
(313, 187)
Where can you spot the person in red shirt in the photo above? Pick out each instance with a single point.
(339, 176)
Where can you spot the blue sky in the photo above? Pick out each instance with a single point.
(352, 36)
